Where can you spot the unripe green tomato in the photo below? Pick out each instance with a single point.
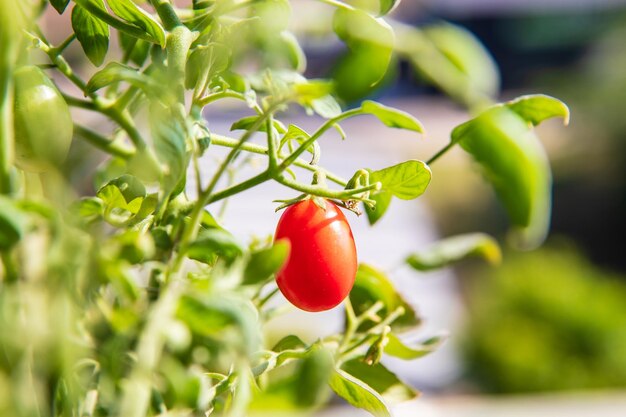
(42, 121)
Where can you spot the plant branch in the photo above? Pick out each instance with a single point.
(326, 126)
(103, 143)
(221, 140)
(166, 13)
(440, 153)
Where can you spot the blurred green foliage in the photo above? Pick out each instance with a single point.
(543, 321)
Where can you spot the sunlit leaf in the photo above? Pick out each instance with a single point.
(537, 108)
(392, 117)
(289, 343)
(380, 379)
(370, 43)
(398, 349)
(296, 55)
(122, 198)
(129, 11)
(213, 242)
(516, 165)
(407, 180)
(358, 393)
(114, 72)
(454, 249)
(387, 6)
(247, 122)
(91, 32)
(452, 59)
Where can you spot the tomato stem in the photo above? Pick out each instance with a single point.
(103, 143)
(440, 153)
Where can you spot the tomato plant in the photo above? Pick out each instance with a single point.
(122, 293)
(321, 267)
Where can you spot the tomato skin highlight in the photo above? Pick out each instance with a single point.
(322, 263)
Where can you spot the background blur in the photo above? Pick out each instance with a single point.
(547, 321)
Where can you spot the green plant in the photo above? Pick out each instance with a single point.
(561, 319)
(133, 300)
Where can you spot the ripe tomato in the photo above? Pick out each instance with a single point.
(42, 120)
(322, 263)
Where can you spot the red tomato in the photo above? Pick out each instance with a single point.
(322, 262)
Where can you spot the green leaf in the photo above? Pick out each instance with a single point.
(383, 200)
(452, 59)
(91, 32)
(59, 5)
(90, 208)
(265, 262)
(290, 342)
(129, 11)
(294, 133)
(214, 317)
(212, 242)
(407, 180)
(295, 54)
(358, 393)
(392, 117)
(537, 108)
(247, 122)
(396, 348)
(381, 380)
(387, 6)
(136, 49)
(316, 95)
(114, 72)
(312, 378)
(370, 43)
(516, 165)
(122, 198)
(13, 223)
(454, 249)
(205, 63)
(169, 134)
(371, 286)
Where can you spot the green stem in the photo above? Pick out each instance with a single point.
(373, 332)
(326, 126)
(272, 152)
(238, 188)
(178, 43)
(59, 49)
(351, 325)
(103, 143)
(321, 191)
(440, 153)
(220, 140)
(6, 118)
(166, 13)
(265, 299)
(102, 14)
(192, 228)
